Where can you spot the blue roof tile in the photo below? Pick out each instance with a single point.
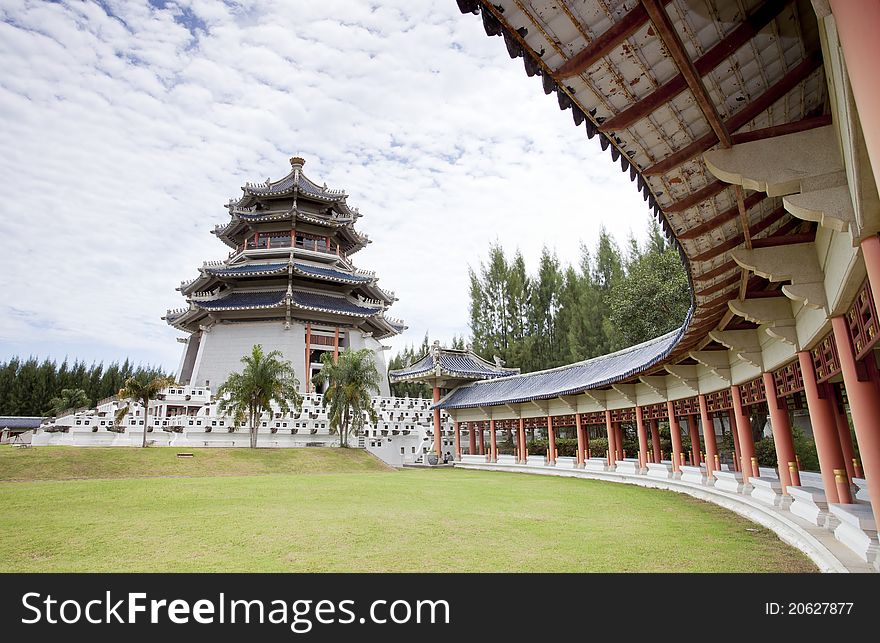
(241, 300)
(332, 304)
(566, 380)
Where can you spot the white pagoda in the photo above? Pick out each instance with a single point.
(288, 284)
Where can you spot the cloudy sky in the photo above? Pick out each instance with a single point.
(126, 126)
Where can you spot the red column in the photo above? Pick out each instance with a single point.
(864, 406)
(523, 447)
(336, 346)
(871, 245)
(675, 434)
(493, 443)
(309, 356)
(746, 441)
(612, 438)
(586, 442)
(438, 447)
(857, 29)
(480, 438)
(551, 441)
(580, 436)
(472, 439)
(655, 440)
(643, 439)
(694, 433)
(731, 419)
(708, 435)
(846, 443)
(824, 427)
(458, 440)
(781, 427)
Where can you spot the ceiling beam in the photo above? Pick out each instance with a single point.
(743, 116)
(783, 240)
(720, 219)
(703, 65)
(603, 44)
(692, 77)
(781, 130)
(716, 187)
(717, 272)
(721, 285)
(733, 242)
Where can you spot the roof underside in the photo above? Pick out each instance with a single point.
(660, 83)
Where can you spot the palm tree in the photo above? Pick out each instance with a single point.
(351, 380)
(142, 388)
(70, 398)
(266, 378)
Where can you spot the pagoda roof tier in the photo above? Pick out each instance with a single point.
(349, 239)
(294, 184)
(302, 299)
(451, 364)
(210, 273)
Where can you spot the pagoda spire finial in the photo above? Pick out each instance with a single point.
(297, 162)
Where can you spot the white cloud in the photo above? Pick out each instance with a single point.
(127, 127)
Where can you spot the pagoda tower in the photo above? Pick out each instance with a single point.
(288, 283)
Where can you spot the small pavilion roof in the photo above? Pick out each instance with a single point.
(295, 182)
(20, 422)
(449, 363)
(565, 380)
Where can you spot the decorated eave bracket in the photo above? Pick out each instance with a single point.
(687, 374)
(805, 168)
(717, 362)
(796, 263)
(774, 313)
(743, 343)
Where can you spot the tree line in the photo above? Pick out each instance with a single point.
(610, 300)
(28, 386)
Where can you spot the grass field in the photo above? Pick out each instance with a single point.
(340, 510)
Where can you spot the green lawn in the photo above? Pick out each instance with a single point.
(294, 515)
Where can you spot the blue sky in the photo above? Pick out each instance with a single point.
(126, 127)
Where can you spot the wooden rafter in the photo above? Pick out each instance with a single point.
(743, 116)
(781, 130)
(720, 219)
(703, 65)
(695, 198)
(604, 44)
(733, 242)
(692, 77)
(716, 272)
(721, 285)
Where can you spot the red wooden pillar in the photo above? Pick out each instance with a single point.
(472, 438)
(846, 443)
(482, 450)
(580, 437)
(523, 447)
(708, 435)
(458, 440)
(819, 405)
(655, 440)
(781, 427)
(612, 438)
(731, 419)
(643, 439)
(587, 453)
(493, 443)
(438, 446)
(551, 441)
(856, 24)
(694, 433)
(309, 357)
(863, 395)
(336, 346)
(744, 430)
(675, 434)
